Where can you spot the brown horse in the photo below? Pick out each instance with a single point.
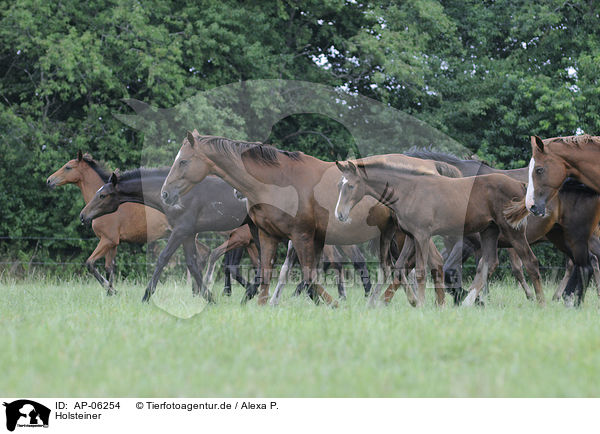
(426, 204)
(290, 195)
(569, 220)
(131, 223)
(554, 160)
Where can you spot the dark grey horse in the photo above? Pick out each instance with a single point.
(209, 206)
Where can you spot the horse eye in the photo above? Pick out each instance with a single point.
(183, 163)
(350, 187)
(68, 168)
(102, 196)
(539, 170)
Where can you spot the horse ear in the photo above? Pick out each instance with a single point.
(537, 142)
(190, 137)
(352, 167)
(113, 179)
(340, 166)
(79, 155)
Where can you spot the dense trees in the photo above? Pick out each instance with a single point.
(487, 73)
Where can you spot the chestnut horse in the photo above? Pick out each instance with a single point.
(554, 160)
(131, 223)
(426, 204)
(290, 195)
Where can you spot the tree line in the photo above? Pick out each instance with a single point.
(486, 73)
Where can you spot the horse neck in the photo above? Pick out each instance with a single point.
(380, 181)
(231, 168)
(144, 190)
(585, 158)
(89, 183)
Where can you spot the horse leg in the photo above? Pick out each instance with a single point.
(405, 261)
(596, 268)
(421, 262)
(309, 252)
(335, 261)
(284, 274)
(517, 269)
(569, 267)
(359, 263)
(436, 265)
(583, 272)
(202, 253)
(235, 267)
(519, 243)
(191, 260)
(487, 263)
(227, 261)
(175, 240)
(594, 247)
(101, 250)
(385, 243)
(268, 249)
(109, 264)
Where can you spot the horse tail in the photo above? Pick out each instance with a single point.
(448, 170)
(515, 213)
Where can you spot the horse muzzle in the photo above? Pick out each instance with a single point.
(51, 184)
(169, 199)
(85, 220)
(538, 210)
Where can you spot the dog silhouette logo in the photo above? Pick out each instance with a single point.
(26, 413)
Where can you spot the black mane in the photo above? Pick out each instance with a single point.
(98, 167)
(428, 154)
(143, 172)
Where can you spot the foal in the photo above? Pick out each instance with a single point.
(426, 204)
(131, 223)
(290, 195)
(209, 206)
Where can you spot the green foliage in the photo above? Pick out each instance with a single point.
(486, 73)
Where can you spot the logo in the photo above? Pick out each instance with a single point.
(26, 413)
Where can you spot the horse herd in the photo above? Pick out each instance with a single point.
(261, 196)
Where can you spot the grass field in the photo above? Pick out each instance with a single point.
(69, 339)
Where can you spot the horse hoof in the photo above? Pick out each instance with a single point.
(569, 301)
(111, 291)
(470, 299)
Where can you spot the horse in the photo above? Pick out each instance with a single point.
(573, 215)
(290, 195)
(556, 159)
(209, 206)
(426, 204)
(131, 223)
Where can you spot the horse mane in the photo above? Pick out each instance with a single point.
(448, 170)
(98, 166)
(429, 154)
(256, 151)
(401, 168)
(575, 141)
(143, 172)
(442, 168)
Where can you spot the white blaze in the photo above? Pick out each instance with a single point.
(529, 196)
(344, 181)
(178, 155)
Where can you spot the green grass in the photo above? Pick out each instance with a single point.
(69, 339)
